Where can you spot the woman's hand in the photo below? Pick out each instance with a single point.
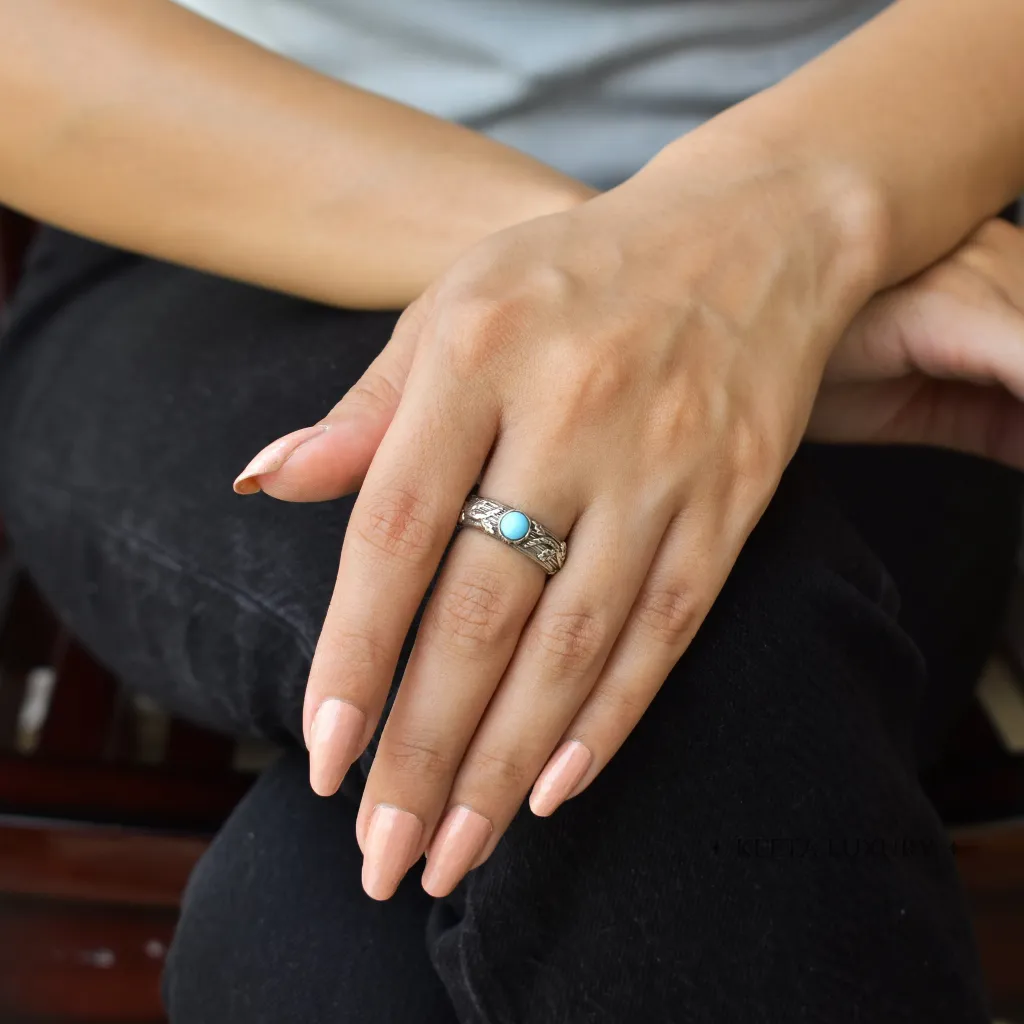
(634, 374)
(938, 360)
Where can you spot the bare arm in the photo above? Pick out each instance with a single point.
(141, 124)
(921, 111)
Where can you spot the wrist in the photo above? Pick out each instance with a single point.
(504, 197)
(556, 196)
(822, 207)
(492, 203)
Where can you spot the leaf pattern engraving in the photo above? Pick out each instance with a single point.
(544, 548)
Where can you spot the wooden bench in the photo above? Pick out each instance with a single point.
(95, 847)
(98, 829)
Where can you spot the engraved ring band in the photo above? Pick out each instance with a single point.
(516, 529)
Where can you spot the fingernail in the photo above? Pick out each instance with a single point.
(458, 843)
(274, 456)
(335, 739)
(392, 847)
(561, 776)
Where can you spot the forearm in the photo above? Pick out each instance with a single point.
(140, 124)
(924, 107)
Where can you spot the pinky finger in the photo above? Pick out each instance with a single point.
(665, 617)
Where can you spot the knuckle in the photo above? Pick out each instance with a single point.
(372, 391)
(756, 451)
(621, 702)
(594, 379)
(994, 247)
(572, 640)
(484, 327)
(398, 523)
(495, 771)
(981, 257)
(668, 613)
(673, 424)
(995, 233)
(413, 317)
(418, 758)
(472, 609)
(357, 649)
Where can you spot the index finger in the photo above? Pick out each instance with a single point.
(402, 520)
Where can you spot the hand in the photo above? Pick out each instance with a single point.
(634, 374)
(962, 318)
(938, 360)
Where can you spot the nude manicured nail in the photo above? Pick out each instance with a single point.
(274, 456)
(562, 775)
(458, 843)
(335, 741)
(392, 847)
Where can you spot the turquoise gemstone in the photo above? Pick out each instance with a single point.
(514, 526)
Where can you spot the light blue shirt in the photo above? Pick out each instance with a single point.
(592, 87)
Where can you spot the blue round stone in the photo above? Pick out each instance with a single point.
(514, 526)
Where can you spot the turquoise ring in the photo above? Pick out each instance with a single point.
(516, 529)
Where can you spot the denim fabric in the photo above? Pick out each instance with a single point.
(760, 849)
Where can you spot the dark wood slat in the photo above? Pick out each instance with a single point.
(34, 1019)
(27, 638)
(978, 781)
(107, 865)
(82, 709)
(991, 865)
(105, 794)
(80, 962)
(990, 791)
(198, 749)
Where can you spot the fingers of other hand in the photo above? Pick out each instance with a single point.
(978, 420)
(962, 320)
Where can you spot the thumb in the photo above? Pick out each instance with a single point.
(331, 457)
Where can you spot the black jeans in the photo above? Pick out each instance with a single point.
(760, 849)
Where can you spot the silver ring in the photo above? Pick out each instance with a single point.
(516, 529)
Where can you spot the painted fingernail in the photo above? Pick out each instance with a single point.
(274, 456)
(392, 847)
(561, 776)
(458, 843)
(335, 740)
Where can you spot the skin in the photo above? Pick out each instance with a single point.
(662, 388)
(938, 360)
(140, 124)
(657, 349)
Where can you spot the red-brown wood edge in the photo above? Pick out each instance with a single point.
(81, 962)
